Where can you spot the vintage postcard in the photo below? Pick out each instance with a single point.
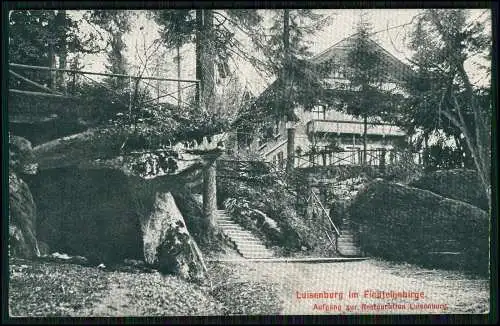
(224, 162)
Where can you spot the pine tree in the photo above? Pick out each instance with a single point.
(365, 75)
(298, 81)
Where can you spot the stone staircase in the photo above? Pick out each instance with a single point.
(247, 244)
(346, 242)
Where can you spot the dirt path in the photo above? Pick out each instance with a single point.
(244, 287)
(443, 291)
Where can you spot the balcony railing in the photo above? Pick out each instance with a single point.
(374, 157)
(352, 127)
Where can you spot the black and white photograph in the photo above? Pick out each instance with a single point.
(224, 162)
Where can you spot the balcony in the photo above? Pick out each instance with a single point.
(352, 127)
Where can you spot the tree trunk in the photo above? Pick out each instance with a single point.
(286, 81)
(290, 163)
(63, 51)
(210, 194)
(286, 33)
(179, 94)
(52, 64)
(365, 128)
(204, 56)
(199, 71)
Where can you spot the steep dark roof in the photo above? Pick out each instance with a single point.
(396, 70)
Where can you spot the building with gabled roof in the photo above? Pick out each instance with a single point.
(320, 130)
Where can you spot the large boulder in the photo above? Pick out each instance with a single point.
(92, 213)
(21, 157)
(460, 184)
(404, 223)
(167, 242)
(192, 212)
(22, 219)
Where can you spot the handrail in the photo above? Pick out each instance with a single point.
(324, 211)
(84, 72)
(45, 88)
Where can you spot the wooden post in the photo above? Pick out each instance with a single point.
(210, 194)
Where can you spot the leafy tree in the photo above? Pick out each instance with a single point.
(445, 99)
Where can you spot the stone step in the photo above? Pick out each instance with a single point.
(231, 226)
(224, 218)
(237, 232)
(257, 247)
(256, 254)
(347, 243)
(228, 224)
(246, 243)
(240, 237)
(248, 256)
(236, 228)
(346, 238)
(248, 240)
(347, 248)
(349, 252)
(250, 251)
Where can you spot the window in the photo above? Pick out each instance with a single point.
(319, 112)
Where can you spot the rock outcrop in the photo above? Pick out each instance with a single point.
(409, 224)
(167, 242)
(460, 184)
(108, 216)
(22, 219)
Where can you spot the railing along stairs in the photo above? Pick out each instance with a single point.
(333, 228)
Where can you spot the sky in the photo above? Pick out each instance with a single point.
(392, 26)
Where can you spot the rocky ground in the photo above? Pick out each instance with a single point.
(243, 287)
